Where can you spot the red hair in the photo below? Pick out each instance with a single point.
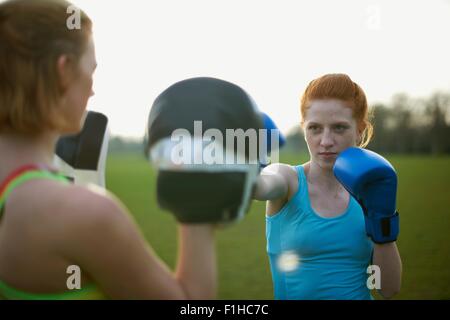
(340, 87)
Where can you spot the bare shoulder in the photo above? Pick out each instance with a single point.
(90, 207)
(92, 201)
(88, 220)
(70, 199)
(289, 175)
(65, 219)
(60, 209)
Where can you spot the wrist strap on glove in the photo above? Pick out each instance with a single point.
(382, 229)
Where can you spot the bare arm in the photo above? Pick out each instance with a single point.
(272, 183)
(109, 247)
(387, 258)
(196, 270)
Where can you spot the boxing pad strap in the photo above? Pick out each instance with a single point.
(382, 229)
(250, 181)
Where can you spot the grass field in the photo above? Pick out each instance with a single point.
(424, 242)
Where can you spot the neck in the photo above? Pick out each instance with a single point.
(323, 177)
(18, 150)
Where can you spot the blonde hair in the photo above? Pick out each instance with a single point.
(34, 34)
(341, 87)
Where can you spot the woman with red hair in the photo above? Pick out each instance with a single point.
(316, 237)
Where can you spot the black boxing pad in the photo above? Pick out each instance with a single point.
(204, 192)
(182, 193)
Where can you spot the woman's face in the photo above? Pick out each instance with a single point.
(79, 90)
(329, 128)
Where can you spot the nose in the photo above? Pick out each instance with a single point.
(92, 93)
(327, 140)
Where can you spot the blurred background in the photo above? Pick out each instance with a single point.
(273, 49)
(397, 51)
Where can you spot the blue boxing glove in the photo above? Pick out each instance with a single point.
(274, 138)
(372, 180)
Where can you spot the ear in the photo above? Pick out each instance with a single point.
(65, 72)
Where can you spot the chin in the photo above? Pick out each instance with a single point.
(327, 165)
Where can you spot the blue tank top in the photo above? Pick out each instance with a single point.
(317, 258)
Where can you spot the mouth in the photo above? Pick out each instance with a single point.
(328, 154)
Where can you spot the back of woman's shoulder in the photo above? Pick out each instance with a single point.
(56, 214)
(57, 200)
(86, 210)
(88, 200)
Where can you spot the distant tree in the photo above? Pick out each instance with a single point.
(295, 140)
(403, 132)
(437, 110)
(404, 125)
(382, 125)
(119, 144)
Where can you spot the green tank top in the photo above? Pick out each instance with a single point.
(18, 177)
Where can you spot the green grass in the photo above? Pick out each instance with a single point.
(423, 202)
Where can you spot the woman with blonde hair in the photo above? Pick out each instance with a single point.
(48, 224)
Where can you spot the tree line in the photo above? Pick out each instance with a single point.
(404, 125)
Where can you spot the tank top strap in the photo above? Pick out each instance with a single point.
(300, 174)
(302, 183)
(24, 174)
(296, 200)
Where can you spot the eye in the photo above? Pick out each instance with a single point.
(340, 127)
(313, 128)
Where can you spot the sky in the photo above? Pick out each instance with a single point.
(271, 48)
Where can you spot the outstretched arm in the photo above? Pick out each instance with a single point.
(272, 183)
